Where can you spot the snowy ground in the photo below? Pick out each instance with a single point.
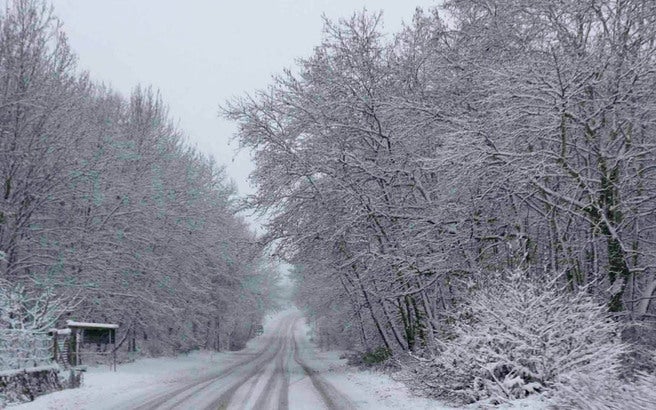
(279, 369)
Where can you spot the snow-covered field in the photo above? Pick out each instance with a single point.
(251, 378)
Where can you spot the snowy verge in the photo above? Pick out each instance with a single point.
(366, 389)
(375, 390)
(103, 388)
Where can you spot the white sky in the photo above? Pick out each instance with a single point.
(199, 53)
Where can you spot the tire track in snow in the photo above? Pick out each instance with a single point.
(279, 373)
(179, 395)
(224, 400)
(282, 347)
(329, 394)
(284, 393)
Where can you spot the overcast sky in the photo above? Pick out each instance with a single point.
(199, 53)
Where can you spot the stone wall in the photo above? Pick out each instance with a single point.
(27, 384)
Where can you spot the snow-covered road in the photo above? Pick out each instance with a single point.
(281, 369)
(265, 377)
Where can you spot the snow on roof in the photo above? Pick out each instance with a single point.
(72, 323)
(60, 331)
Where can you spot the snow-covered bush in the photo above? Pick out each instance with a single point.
(590, 392)
(25, 318)
(518, 336)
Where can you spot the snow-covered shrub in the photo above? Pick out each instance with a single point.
(25, 318)
(591, 392)
(518, 336)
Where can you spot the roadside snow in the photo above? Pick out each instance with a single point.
(366, 389)
(102, 388)
(375, 390)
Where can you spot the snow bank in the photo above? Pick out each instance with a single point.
(366, 389)
(372, 390)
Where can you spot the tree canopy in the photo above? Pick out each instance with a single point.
(104, 202)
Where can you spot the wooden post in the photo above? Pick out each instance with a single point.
(77, 347)
(54, 347)
(112, 337)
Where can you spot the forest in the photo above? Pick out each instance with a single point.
(475, 192)
(107, 214)
(469, 201)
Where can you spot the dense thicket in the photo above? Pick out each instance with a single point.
(102, 202)
(402, 172)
